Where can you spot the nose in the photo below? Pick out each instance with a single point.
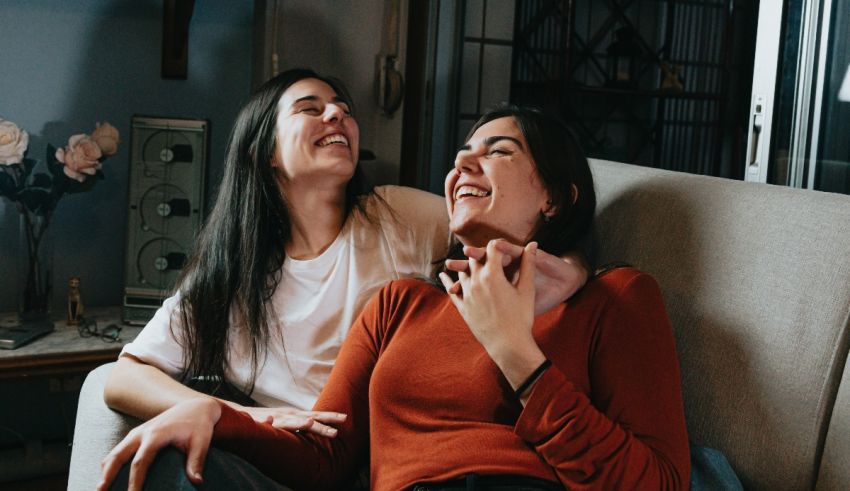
(466, 161)
(333, 113)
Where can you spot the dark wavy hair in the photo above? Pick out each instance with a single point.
(237, 258)
(561, 164)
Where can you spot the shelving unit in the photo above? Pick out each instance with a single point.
(562, 57)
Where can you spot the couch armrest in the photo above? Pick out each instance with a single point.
(97, 430)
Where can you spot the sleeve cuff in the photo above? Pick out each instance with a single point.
(234, 430)
(551, 396)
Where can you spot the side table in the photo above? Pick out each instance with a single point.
(64, 351)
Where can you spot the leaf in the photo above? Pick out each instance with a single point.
(53, 165)
(29, 164)
(41, 180)
(34, 199)
(7, 185)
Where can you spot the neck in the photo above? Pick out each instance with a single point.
(317, 215)
(481, 237)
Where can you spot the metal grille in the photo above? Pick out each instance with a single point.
(672, 112)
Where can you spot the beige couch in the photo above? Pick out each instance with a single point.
(757, 282)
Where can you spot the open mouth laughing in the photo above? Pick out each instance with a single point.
(334, 139)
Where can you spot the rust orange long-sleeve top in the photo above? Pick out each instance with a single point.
(429, 404)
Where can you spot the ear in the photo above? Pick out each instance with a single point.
(574, 193)
(549, 209)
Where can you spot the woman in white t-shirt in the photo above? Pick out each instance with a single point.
(286, 261)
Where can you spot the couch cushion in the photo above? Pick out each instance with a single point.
(756, 279)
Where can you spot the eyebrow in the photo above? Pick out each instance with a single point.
(491, 140)
(335, 98)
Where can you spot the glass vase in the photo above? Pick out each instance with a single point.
(35, 267)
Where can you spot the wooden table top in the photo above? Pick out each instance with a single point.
(64, 350)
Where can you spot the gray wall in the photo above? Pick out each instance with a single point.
(69, 63)
(343, 38)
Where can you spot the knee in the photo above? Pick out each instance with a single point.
(167, 471)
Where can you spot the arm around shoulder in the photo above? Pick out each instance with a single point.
(142, 390)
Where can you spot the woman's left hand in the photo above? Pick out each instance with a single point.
(499, 311)
(187, 426)
(556, 278)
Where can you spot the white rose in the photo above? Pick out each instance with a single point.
(13, 143)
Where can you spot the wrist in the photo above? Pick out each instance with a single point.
(209, 408)
(518, 360)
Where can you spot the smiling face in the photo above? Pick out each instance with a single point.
(317, 138)
(494, 190)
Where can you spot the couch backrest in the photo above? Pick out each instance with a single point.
(756, 279)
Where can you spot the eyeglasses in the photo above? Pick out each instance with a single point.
(110, 333)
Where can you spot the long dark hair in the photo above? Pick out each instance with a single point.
(237, 258)
(561, 164)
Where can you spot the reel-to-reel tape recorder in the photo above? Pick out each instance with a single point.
(168, 163)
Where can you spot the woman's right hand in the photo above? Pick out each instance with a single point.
(187, 426)
(287, 418)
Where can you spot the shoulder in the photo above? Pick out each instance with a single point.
(407, 203)
(409, 294)
(624, 284)
(408, 289)
(392, 193)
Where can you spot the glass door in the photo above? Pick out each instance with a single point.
(799, 111)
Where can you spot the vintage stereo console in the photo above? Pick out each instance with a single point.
(168, 159)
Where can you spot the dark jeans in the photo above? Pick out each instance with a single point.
(222, 471)
(711, 471)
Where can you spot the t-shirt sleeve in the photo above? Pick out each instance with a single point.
(304, 460)
(416, 227)
(632, 434)
(156, 344)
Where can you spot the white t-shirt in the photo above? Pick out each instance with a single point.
(318, 299)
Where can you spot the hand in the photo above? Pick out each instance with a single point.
(187, 426)
(556, 278)
(292, 419)
(499, 312)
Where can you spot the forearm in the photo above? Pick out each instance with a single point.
(142, 390)
(585, 446)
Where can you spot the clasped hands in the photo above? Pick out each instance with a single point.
(555, 278)
(499, 299)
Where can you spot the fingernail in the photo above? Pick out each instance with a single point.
(331, 431)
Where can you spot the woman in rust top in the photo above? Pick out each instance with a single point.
(467, 389)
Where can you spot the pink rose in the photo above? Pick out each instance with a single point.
(106, 137)
(13, 143)
(80, 157)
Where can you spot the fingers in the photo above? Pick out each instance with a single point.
(527, 267)
(292, 422)
(322, 430)
(496, 258)
(457, 265)
(196, 455)
(139, 466)
(478, 253)
(511, 251)
(329, 416)
(452, 287)
(113, 462)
